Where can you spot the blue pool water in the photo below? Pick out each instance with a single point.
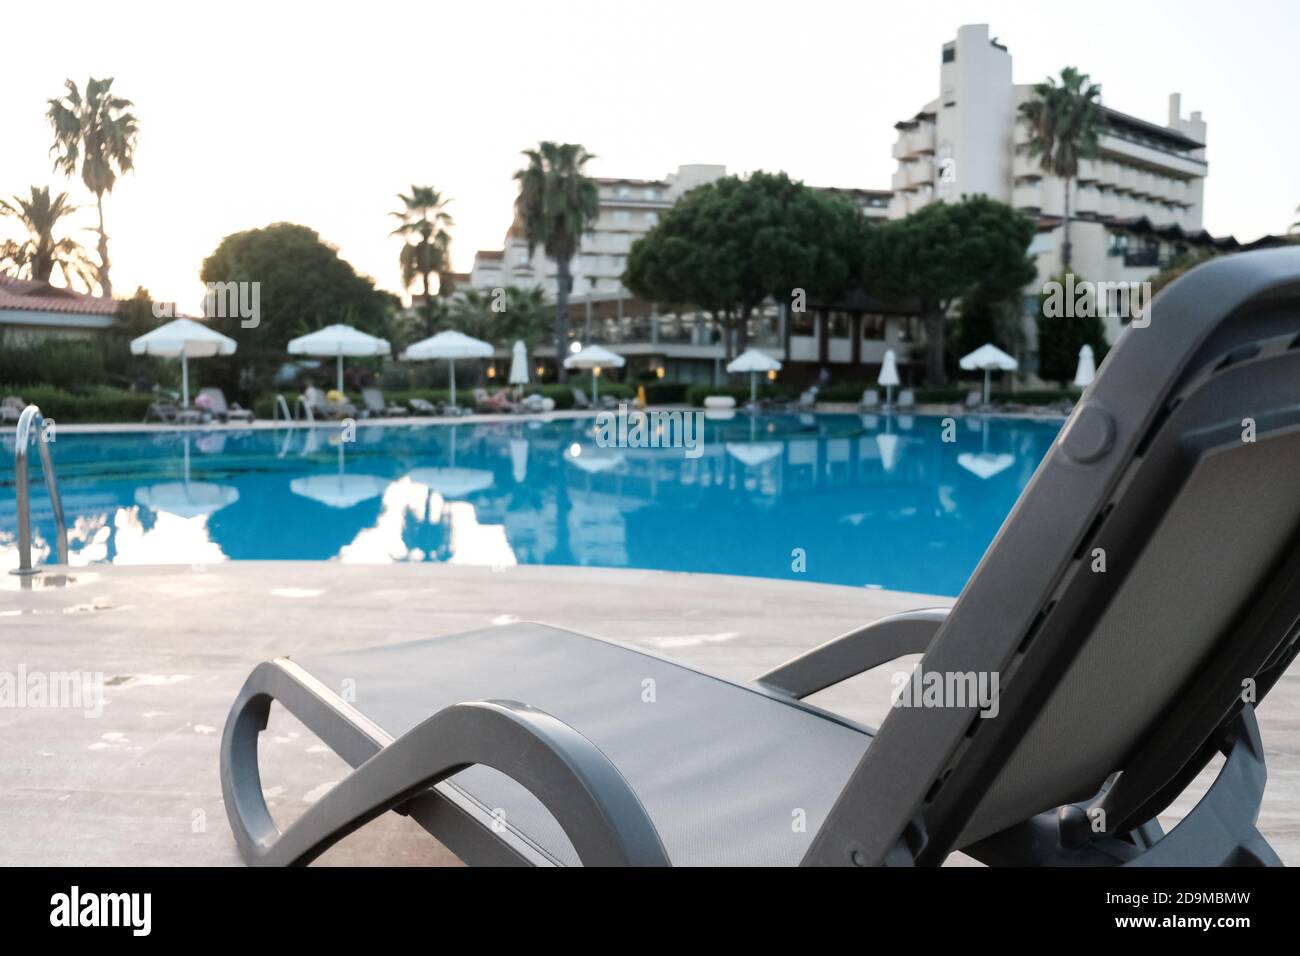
(877, 501)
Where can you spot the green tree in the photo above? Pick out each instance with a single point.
(731, 244)
(502, 316)
(557, 205)
(1061, 337)
(424, 225)
(43, 251)
(303, 285)
(1065, 123)
(99, 131)
(947, 252)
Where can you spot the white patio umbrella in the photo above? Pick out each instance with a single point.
(519, 365)
(1087, 369)
(339, 341)
(989, 358)
(889, 376)
(450, 346)
(753, 361)
(594, 357)
(183, 339)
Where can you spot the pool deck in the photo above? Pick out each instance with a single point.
(138, 785)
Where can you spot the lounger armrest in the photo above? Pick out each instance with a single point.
(573, 779)
(856, 652)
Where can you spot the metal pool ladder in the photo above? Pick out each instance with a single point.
(30, 419)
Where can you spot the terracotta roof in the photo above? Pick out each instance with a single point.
(488, 254)
(33, 296)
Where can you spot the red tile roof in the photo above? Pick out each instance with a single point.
(33, 296)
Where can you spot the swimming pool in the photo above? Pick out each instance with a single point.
(872, 500)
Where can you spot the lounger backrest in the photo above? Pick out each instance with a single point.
(374, 399)
(906, 397)
(1143, 589)
(218, 398)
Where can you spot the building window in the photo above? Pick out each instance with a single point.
(803, 323)
(873, 327)
(1118, 244)
(949, 54)
(652, 194)
(620, 215)
(838, 325)
(622, 192)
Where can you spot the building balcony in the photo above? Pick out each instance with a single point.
(919, 172)
(1142, 258)
(1023, 165)
(1027, 195)
(1087, 201)
(1090, 170)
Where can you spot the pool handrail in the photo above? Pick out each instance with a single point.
(31, 416)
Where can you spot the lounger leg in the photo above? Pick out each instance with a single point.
(591, 801)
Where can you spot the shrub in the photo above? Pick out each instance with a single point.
(62, 363)
(98, 404)
(696, 394)
(666, 393)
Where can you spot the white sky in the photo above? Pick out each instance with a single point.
(320, 113)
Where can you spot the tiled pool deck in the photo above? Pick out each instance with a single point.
(138, 785)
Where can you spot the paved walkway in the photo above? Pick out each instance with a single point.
(138, 785)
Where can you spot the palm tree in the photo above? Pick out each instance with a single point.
(100, 132)
(424, 219)
(557, 204)
(41, 252)
(1065, 125)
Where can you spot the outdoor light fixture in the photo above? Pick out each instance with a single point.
(659, 372)
(492, 371)
(771, 375)
(575, 347)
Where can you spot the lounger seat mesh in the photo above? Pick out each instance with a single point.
(722, 769)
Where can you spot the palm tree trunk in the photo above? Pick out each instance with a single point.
(1065, 239)
(105, 284)
(562, 283)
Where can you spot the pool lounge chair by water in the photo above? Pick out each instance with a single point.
(224, 412)
(378, 406)
(321, 408)
(870, 400)
(1111, 691)
(169, 413)
(11, 409)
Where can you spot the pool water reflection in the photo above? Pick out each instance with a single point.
(873, 500)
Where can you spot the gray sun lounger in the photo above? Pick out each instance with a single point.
(529, 744)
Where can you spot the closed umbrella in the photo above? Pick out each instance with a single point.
(183, 339)
(1087, 369)
(889, 376)
(989, 358)
(595, 358)
(753, 361)
(339, 341)
(519, 366)
(450, 346)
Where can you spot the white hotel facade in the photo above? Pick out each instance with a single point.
(1134, 208)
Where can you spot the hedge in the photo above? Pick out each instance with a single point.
(98, 404)
(698, 393)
